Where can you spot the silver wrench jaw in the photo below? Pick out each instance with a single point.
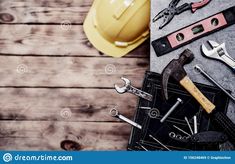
(130, 89)
(218, 52)
(123, 89)
(209, 53)
(120, 90)
(127, 81)
(213, 44)
(213, 53)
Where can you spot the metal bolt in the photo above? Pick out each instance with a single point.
(179, 101)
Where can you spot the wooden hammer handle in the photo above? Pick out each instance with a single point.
(197, 94)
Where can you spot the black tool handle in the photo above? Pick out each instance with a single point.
(174, 3)
(183, 8)
(221, 120)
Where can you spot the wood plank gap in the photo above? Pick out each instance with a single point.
(71, 56)
(55, 87)
(59, 121)
(50, 24)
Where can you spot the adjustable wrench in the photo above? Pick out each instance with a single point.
(218, 52)
(129, 88)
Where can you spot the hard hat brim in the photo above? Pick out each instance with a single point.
(102, 44)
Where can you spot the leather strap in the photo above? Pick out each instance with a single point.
(193, 32)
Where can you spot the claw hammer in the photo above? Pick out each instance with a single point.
(175, 69)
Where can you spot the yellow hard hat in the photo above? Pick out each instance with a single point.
(115, 27)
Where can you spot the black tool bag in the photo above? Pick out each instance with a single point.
(161, 131)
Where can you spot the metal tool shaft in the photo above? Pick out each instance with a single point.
(114, 113)
(179, 101)
(139, 93)
(121, 117)
(159, 142)
(199, 69)
(190, 128)
(195, 124)
(181, 130)
(144, 148)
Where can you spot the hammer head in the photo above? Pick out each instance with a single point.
(176, 70)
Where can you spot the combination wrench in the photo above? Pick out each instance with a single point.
(129, 88)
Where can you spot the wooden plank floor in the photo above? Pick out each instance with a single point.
(55, 84)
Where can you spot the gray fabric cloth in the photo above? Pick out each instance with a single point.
(216, 69)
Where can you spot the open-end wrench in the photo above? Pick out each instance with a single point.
(218, 52)
(129, 88)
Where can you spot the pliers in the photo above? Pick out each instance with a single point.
(172, 10)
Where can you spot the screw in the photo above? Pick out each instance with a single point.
(179, 101)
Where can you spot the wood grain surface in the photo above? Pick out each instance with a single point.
(55, 84)
(70, 72)
(46, 135)
(44, 11)
(52, 40)
(59, 104)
